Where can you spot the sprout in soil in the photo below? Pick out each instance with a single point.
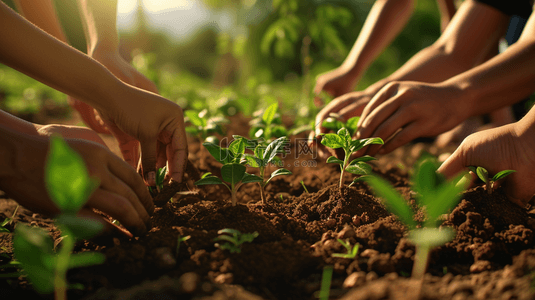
(6, 223)
(304, 186)
(203, 126)
(234, 239)
(233, 171)
(179, 240)
(433, 192)
(343, 139)
(69, 186)
(262, 158)
(351, 251)
(267, 124)
(160, 177)
(326, 283)
(483, 174)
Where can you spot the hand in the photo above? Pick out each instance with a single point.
(121, 193)
(70, 132)
(403, 111)
(497, 149)
(347, 106)
(335, 82)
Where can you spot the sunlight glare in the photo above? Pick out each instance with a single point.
(156, 6)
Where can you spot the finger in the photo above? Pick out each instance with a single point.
(109, 227)
(369, 124)
(454, 165)
(148, 161)
(128, 145)
(177, 154)
(401, 137)
(333, 106)
(387, 92)
(118, 207)
(354, 109)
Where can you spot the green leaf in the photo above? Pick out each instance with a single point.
(259, 151)
(237, 147)
(344, 134)
(33, 248)
(502, 174)
(392, 199)
(253, 161)
(483, 174)
(232, 173)
(351, 125)
(248, 178)
(194, 118)
(334, 160)
(442, 200)
(431, 237)
(332, 140)
(356, 145)
(79, 227)
(222, 155)
(425, 179)
(359, 168)
(86, 259)
(332, 124)
(67, 180)
(209, 180)
(278, 172)
(364, 158)
(273, 148)
(269, 113)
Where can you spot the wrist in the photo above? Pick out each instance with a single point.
(13, 147)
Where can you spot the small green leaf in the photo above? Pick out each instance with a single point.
(502, 174)
(209, 180)
(334, 160)
(194, 118)
(392, 199)
(67, 180)
(232, 173)
(332, 124)
(248, 178)
(86, 259)
(344, 134)
(425, 179)
(444, 198)
(364, 158)
(237, 147)
(278, 172)
(222, 155)
(253, 161)
(351, 125)
(359, 168)
(79, 227)
(269, 113)
(273, 148)
(356, 145)
(483, 174)
(332, 140)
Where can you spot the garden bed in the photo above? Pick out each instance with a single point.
(491, 257)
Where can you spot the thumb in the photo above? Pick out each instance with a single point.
(148, 161)
(453, 165)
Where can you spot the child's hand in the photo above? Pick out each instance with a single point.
(497, 149)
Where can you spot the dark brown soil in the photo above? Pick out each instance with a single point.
(492, 256)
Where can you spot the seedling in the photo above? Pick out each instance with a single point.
(343, 139)
(233, 171)
(202, 126)
(69, 186)
(326, 283)
(8, 221)
(304, 187)
(234, 239)
(179, 240)
(437, 195)
(262, 158)
(483, 174)
(351, 251)
(267, 124)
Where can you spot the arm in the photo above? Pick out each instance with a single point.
(384, 22)
(43, 14)
(447, 10)
(154, 121)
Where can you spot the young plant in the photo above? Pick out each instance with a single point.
(343, 139)
(267, 124)
(351, 251)
(233, 171)
(234, 239)
(262, 158)
(326, 283)
(160, 176)
(437, 195)
(69, 186)
(202, 126)
(7, 222)
(179, 240)
(483, 174)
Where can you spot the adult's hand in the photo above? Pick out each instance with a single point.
(403, 111)
(70, 132)
(335, 82)
(121, 193)
(502, 148)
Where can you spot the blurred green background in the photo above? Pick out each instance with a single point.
(256, 49)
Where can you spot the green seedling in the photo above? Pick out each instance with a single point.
(8, 221)
(351, 251)
(267, 124)
(304, 187)
(483, 174)
(179, 240)
(204, 127)
(263, 157)
(343, 139)
(433, 192)
(233, 171)
(234, 239)
(160, 177)
(326, 283)
(69, 186)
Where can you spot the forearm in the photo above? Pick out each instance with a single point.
(31, 51)
(100, 21)
(11, 143)
(42, 13)
(447, 10)
(9, 121)
(384, 22)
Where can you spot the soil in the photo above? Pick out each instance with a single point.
(491, 257)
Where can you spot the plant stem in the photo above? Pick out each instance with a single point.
(489, 186)
(342, 172)
(62, 264)
(420, 261)
(261, 184)
(233, 191)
